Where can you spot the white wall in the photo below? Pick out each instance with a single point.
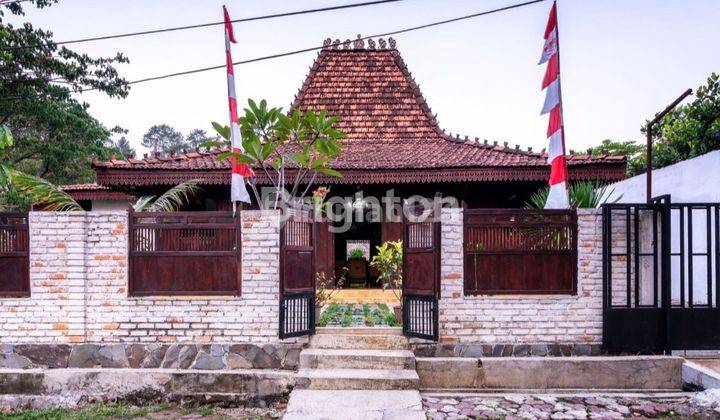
(694, 180)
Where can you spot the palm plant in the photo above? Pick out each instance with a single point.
(53, 198)
(173, 199)
(44, 192)
(583, 194)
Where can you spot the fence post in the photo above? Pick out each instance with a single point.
(665, 266)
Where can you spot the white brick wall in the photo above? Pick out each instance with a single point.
(54, 312)
(79, 288)
(522, 319)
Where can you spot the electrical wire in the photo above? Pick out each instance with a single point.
(300, 51)
(204, 25)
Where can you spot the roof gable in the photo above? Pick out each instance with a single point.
(386, 118)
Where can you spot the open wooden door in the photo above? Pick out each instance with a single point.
(297, 275)
(421, 273)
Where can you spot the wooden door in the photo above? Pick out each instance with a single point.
(421, 275)
(297, 275)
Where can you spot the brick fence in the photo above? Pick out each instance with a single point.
(78, 275)
(522, 319)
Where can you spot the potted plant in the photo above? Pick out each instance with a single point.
(389, 263)
(357, 267)
(325, 288)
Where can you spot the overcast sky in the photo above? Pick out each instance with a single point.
(622, 60)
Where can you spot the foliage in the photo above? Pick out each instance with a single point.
(356, 254)
(126, 150)
(163, 139)
(44, 192)
(687, 131)
(582, 194)
(173, 199)
(326, 286)
(92, 411)
(343, 315)
(389, 263)
(634, 152)
(197, 138)
(6, 141)
(301, 145)
(55, 136)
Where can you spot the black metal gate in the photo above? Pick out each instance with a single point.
(297, 274)
(421, 272)
(661, 264)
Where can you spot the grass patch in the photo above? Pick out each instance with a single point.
(90, 412)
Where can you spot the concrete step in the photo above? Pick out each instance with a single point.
(354, 405)
(360, 330)
(359, 341)
(340, 379)
(356, 359)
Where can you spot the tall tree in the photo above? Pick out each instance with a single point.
(55, 135)
(123, 146)
(197, 137)
(163, 139)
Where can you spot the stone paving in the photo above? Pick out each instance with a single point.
(584, 406)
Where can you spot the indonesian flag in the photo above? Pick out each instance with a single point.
(239, 171)
(558, 197)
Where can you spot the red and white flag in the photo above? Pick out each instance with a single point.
(240, 171)
(558, 197)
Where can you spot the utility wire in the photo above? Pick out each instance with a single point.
(289, 53)
(204, 25)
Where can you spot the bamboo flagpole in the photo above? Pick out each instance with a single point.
(558, 196)
(239, 172)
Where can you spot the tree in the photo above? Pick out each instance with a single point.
(123, 146)
(690, 130)
(687, 131)
(634, 152)
(290, 150)
(196, 138)
(162, 138)
(54, 134)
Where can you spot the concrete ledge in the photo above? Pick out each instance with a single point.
(450, 372)
(611, 372)
(146, 384)
(699, 376)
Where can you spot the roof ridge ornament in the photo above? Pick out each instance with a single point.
(392, 42)
(327, 43)
(346, 44)
(336, 44)
(359, 43)
(371, 44)
(383, 44)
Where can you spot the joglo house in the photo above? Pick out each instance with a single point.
(486, 277)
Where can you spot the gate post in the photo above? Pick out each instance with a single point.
(665, 233)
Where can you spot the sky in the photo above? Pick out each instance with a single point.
(621, 61)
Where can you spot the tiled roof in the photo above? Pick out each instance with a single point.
(95, 192)
(389, 125)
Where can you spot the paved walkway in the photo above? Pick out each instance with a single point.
(354, 405)
(577, 406)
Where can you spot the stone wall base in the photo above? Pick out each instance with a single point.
(35, 388)
(150, 356)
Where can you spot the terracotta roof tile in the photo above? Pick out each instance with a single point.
(388, 123)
